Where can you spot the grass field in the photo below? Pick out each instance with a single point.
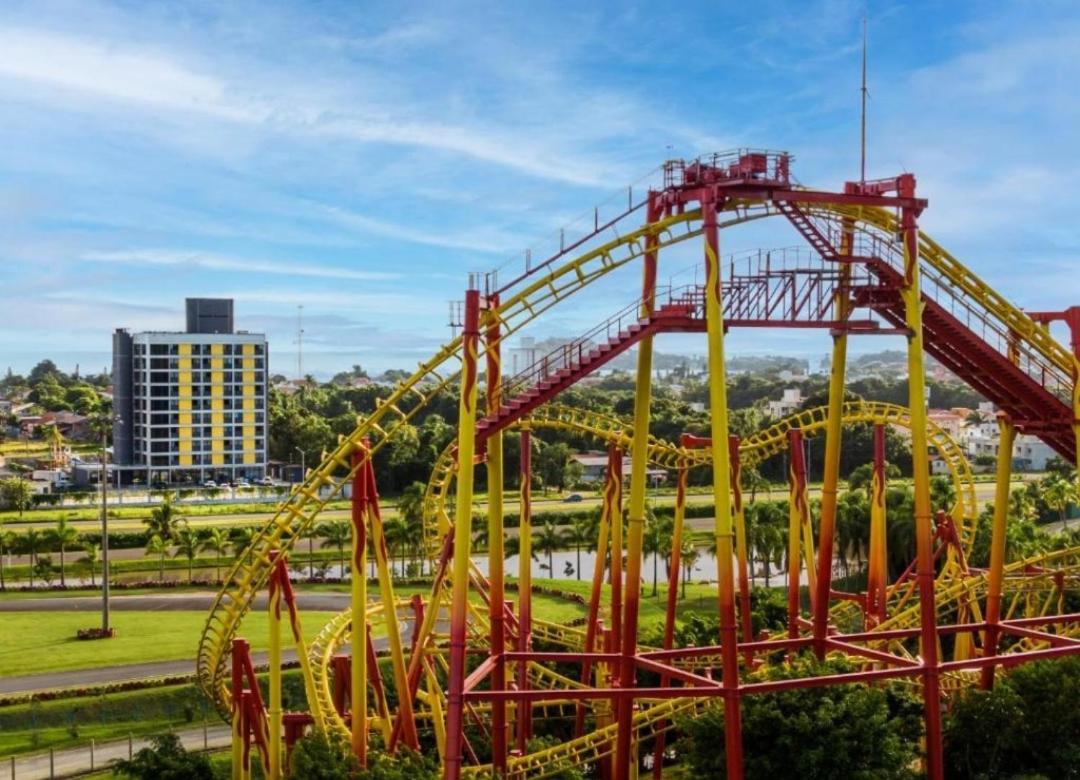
(36, 642)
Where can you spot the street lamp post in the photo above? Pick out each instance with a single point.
(104, 531)
(105, 521)
(303, 466)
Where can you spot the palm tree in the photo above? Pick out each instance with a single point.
(411, 510)
(241, 538)
(159, 547)
(579, 533)
(188, 544)
(397, 538)
(31, 542)
(217, 542)
(942, 493)
(657, 540)
(7, 544)
(164, 518)
(52, 435)
(548, 541)
(64, 535)
(690, 557)
(1058, 493)
(339, 534)
(92, 558)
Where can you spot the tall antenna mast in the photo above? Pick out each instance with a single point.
(300, 342)
(862, 141)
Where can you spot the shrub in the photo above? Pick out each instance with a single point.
(1028, 723)
(852, 731)
(166, 759)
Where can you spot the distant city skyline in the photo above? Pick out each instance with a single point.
(361, 161)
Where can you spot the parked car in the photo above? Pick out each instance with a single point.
(266, 482)
(209, 484)
(573, 498)
(242, 483)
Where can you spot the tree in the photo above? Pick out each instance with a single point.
(819, 732)
(556, 467)
(7, 544)
(690, 555)
(548, 541)
(397, 538)
(656, 542)
(241, 538)
(942, 493)
(216, 541)
(16, 493)
(188, 544)
(579, 533)
(92, 559)
(164, 518)
(64, 535)
(31, 541)
(339, 534)
(166, 759)
(159, 547)
(1058, 493)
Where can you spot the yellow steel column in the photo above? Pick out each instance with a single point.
(724, 530)
(997, 544)
(798, 516)
(462, 537)
(924, 532)
(524, 708)
(239, 647)
(389, 605)
(878, 569)
(741, 551)
(496, 588)
(358, 591)
(831, 474)
(273, 709)
(639, 457)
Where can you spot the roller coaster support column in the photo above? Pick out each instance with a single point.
(997, 544)
(833, 433)
(273, 708)
(615, 472)
(878, 569)
(239, 650)
(924, 533)
(636, 510)
(740, 541)
(358, 589)
(798, 512)
(462, 537)
(496, 598)
(718, 412)
(524, 708)
(389, 605)
(612, 481)
(672, 601)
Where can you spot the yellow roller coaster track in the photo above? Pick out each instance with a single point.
(537, 293)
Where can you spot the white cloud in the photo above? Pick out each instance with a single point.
(218, 262)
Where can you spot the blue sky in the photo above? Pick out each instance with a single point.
(359, 159)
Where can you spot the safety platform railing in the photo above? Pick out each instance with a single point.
(981, 320)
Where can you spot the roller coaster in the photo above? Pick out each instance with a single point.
(466, 662)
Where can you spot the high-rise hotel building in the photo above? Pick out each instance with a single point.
(191, 406)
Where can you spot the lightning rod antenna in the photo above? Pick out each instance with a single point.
(300, 342)
(862, 128)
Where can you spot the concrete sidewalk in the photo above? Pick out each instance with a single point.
(75, 761)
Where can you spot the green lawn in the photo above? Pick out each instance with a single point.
(35, 642)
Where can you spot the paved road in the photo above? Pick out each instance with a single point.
(189, 601)
(74, 761)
